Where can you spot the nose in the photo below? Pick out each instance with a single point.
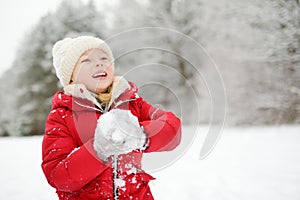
(99, 64)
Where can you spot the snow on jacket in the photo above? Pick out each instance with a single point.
(70, 163)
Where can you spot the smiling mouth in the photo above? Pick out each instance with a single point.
(100, 75)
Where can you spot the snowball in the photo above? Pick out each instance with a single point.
(118, 132)
(73, 151)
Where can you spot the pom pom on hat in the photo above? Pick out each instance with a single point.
(66, 53)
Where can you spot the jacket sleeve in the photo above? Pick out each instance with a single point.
(162, 128)
(66, 166)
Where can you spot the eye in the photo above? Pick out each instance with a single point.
(103, 58)
(85, 60)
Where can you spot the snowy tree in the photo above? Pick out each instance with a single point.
(282, 52)
(251, 42)
(35, 82)
(156, 43)
(275, 66)
(255, 45)
(7, 101)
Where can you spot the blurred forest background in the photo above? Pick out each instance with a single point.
(255, 44)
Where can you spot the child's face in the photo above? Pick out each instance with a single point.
(94, 70)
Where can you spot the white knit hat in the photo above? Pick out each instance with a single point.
(66, 53)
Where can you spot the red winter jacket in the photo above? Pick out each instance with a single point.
(70, 163)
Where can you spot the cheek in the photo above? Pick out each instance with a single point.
(110, 71)
(81, 76)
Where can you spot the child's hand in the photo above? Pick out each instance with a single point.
(118, 132)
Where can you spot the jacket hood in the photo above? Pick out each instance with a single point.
(76, 97)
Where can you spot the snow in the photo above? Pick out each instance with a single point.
(21, 175)
(247, 163)
(119, 182)
(74, 150)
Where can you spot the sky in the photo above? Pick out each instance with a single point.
(16, 19)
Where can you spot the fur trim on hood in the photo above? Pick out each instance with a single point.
(119, 86)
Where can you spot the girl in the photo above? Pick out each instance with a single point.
(99, 127)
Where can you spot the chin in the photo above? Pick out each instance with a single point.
(98, 91)
(102, 89)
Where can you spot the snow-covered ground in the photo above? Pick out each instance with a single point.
(247, 163)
